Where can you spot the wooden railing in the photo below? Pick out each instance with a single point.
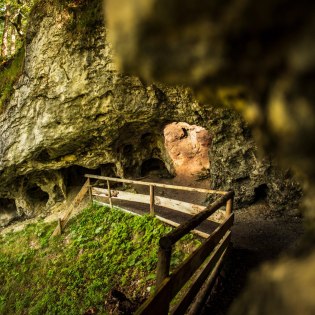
(169, 285)
(201, 267)
(64, 220)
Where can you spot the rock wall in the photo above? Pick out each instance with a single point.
(72, 107)
(228, 48)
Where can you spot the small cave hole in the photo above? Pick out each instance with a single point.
(36, 194)
(43, 156)
(108, 170)
(260, 193)
(59, 197)
(7, 205)
(127, 149)
(184, 134)
(153, 166)
(74, 175)
(8, 211)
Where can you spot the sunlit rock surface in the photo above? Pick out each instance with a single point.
(259, 57)
(72, 112)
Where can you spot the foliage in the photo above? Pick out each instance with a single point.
(19, 13)
(101, 249)
(9, 73)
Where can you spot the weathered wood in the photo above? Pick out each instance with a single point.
(152, 200)
(109, 194)
(129, 181)
(171, 238)
(173, 204)
(163, 267)
(90, 189)
(170, 222)
(211, 267)
(76, 201)
(171, 285)
(59, 226)
(207, 287)
(229, 207)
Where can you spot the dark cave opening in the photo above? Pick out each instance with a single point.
(260, 193)
(7, 205)
(74, 175)
(36, 194)
(153, 166)
(108, 170)
(8, 211)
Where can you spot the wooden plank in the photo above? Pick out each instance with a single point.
(172, 237)
(211, 269)
(121, 209)
(194, 261)
(229, 207)
(170, 222)
(207, 287)
(167, 221)
(129, 181)
(109, 194)
(76, 201)
(152, 200)
(171, 285)
(163, 266)
(177, 205)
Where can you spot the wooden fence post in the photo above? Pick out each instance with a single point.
(163, 270)
(229, 207)
(109, 195)
(163, 267)
(59, 226)
(90, 190)
(152, 200)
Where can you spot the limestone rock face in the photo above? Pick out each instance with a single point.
(72, 110)
(230, 49)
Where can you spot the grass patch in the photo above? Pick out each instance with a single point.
(101, 249)
(9, 73)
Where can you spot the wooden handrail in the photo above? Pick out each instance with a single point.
(171, 238)
(137, 182)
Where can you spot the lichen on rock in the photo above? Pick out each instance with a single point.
(71, 107)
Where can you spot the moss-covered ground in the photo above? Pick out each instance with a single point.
(101, 249)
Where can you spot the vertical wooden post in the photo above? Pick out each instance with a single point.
(163, 270)
(90, 190)
(59, 226)
(109, 195)
(229, 207)
(152, 200)
(163, 267)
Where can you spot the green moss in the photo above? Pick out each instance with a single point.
(101, 249)
(9, 73)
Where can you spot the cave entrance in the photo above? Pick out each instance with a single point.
(7, 205)
(74, 175)
(36, 195)
(108, 170)
(153, 166)
(260, 193)
(188, 147)
(8, 211)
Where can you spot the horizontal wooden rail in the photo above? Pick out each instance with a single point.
(62, 222)
(171, 238)
(136, 182)
(173, 204)
(158, 303)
